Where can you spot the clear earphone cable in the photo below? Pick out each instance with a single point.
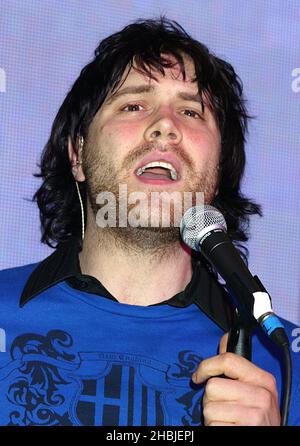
(82, 211)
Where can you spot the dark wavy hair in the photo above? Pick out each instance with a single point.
(143, 42)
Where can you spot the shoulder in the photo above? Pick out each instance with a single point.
(12, 280)
(17, 272)
(293, 332)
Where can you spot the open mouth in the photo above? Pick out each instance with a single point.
(158, 170)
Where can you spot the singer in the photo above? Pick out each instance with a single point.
(123, 324)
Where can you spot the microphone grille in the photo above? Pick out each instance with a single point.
(197, 221)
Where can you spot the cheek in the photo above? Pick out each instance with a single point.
(119, 139)
(123, 131)
(205, 145)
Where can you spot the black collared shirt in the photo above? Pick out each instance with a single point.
(63, 265)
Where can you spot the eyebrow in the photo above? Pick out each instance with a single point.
(140, 89)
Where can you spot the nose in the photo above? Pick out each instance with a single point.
(163, 129)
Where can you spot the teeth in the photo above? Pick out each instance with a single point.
(163, 164)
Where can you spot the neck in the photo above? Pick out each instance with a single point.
(135, 276)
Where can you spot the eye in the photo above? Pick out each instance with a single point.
(193, 114)
(131, 107)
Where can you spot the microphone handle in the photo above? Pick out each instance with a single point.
(240, 338)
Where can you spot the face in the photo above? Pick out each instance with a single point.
(149, 121)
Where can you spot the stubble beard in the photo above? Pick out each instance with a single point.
(156, 241)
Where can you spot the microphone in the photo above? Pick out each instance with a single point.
(203, 229)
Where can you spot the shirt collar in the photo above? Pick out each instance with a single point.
(63, 265)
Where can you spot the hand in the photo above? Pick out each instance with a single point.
(247, 396)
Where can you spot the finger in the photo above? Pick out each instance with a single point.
(235, 414)
(220, 423)
(234, 367)
(228, 390)
(223, 343)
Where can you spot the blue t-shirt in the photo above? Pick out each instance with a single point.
(74, 358)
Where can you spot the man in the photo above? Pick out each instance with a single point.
(121, 324)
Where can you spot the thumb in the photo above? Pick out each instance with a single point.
(223, 343)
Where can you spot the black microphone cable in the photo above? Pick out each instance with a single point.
(277, 334)
(287, 385)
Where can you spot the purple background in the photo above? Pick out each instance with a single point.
(44, 45)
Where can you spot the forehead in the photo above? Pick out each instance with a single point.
(174, 73)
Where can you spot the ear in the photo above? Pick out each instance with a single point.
(75, 160)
